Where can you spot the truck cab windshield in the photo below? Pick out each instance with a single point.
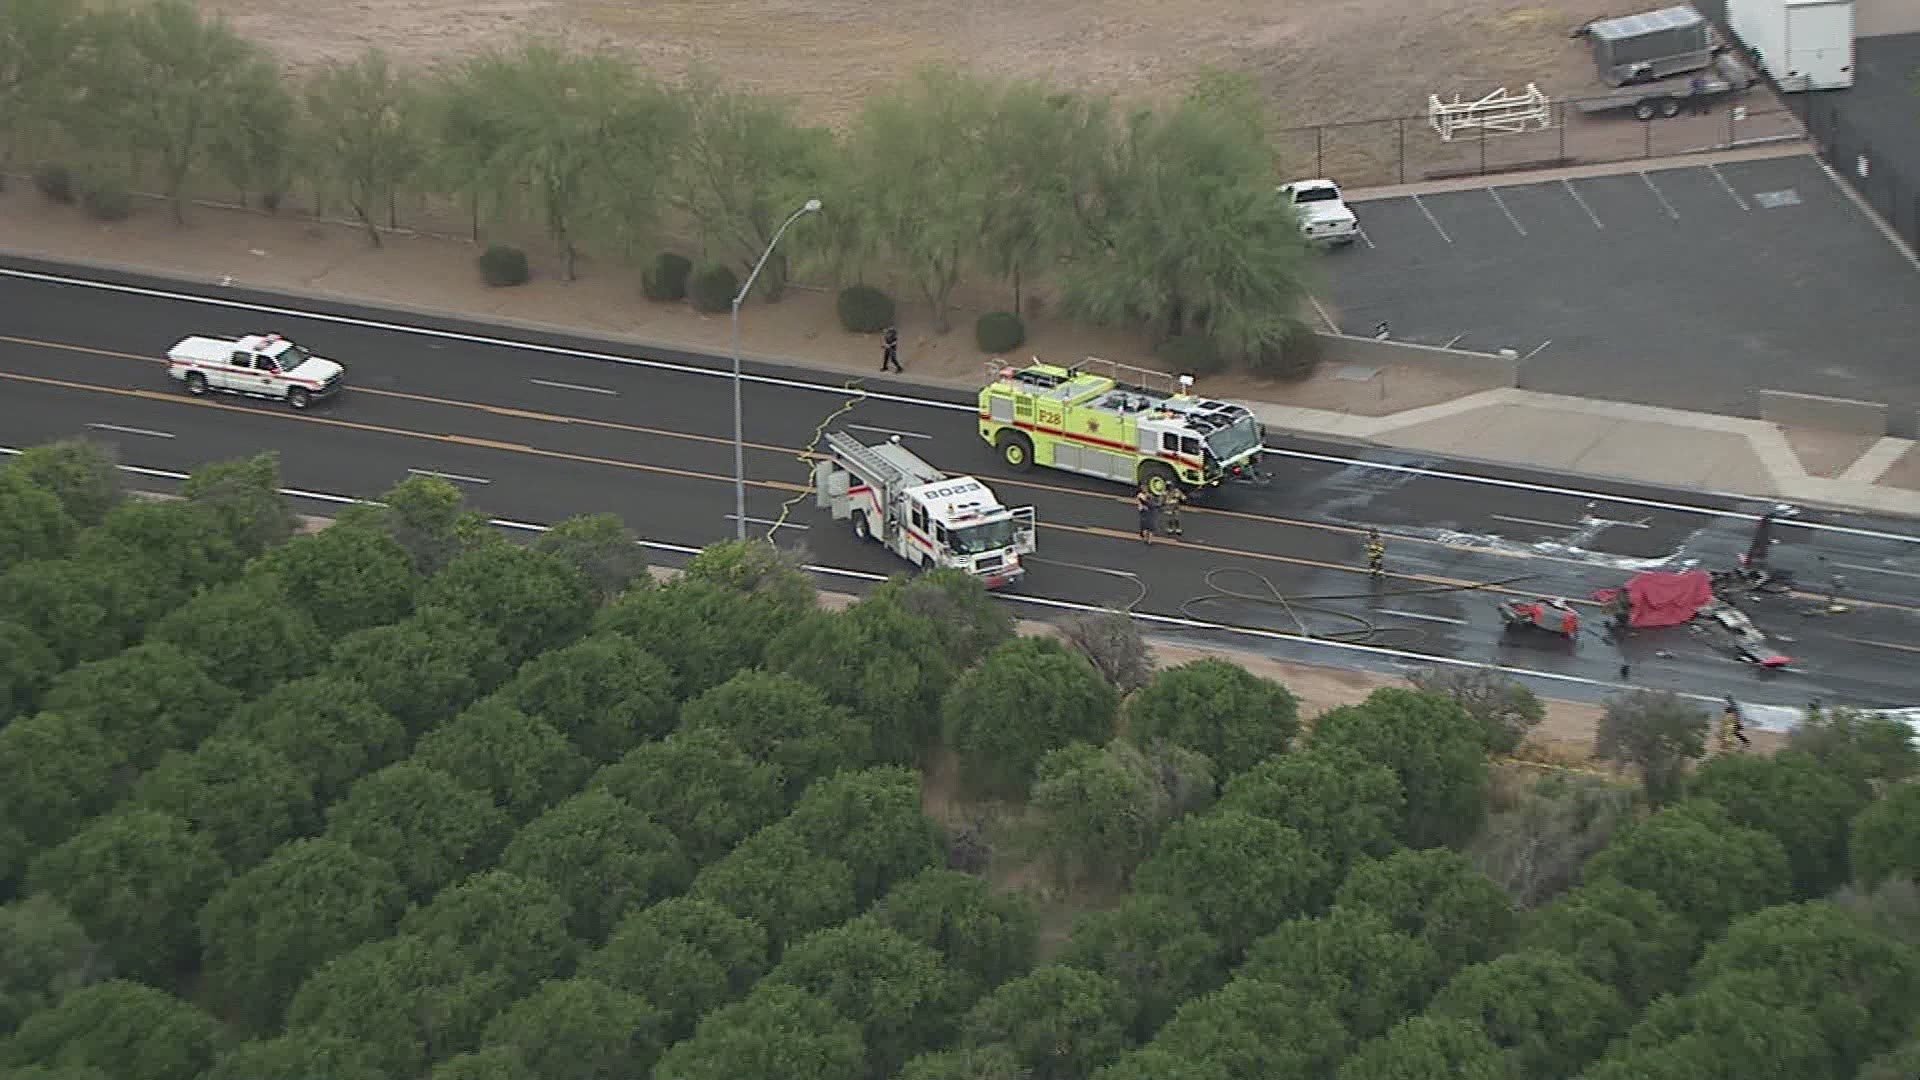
(980, 539)
(290, 357)
(1231, 442)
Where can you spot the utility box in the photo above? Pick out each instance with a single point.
(1803, 44)
(1652, 45)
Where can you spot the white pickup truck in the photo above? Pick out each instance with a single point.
(258, 365)
(1322, 212)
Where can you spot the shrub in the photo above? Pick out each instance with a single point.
(501, 266)
(713, 288)
(999, 332)
(107, 201)
(1192, 354)
(668, 278)
(55, 181)
(864, 309)
(1294, 358)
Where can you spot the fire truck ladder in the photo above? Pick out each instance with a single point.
(869, 464)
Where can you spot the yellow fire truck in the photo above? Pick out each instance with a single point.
(1090, 422)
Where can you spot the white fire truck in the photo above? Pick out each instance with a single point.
(921, 514)
(257, 365)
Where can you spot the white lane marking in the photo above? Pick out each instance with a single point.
(885, 431)
(929, 403)
(456, 477)
(1332, 327)
(1533, 521)
(1421, 617)
(1568, 184)
(1502, 204)
(1671, 212)
(575, 386)
(1431, 220)
(770, 523)
(1874, 569)
(1537, 350)
(1726, 187)
(132, 431)
(1365, 237)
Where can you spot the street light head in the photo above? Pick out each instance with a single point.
(812, 207)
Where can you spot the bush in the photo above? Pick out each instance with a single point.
(501, 266)
(668, 279)
(1192, 354)
(999, 332)
(713, 288)
(55, 181)
(107, 202)
(1293, 359)
(864, 309)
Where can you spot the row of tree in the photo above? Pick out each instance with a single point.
(401, 797)
(1164, 219)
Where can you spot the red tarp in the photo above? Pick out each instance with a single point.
(1662, 599)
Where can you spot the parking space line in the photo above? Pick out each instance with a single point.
(1568, 184)
(1502, 204)
(1728, 188)
(1365, 237)
(1671, 212)
(1332, 327)
(1431, 220)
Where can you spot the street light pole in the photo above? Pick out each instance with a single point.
(739, 439)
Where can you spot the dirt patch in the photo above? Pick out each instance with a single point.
(1826, 453)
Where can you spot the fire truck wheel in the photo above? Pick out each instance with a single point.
(299, 398)
(1016, 448)
(861, 531)
(196, 384)
(1158, 478)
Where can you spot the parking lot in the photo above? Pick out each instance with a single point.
(1689, 287)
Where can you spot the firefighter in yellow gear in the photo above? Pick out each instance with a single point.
(1376, 554)
(1733, 729)
(1170, 510)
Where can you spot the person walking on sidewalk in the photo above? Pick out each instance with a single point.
(1170, 509)
(1143, 502)
(890, 350)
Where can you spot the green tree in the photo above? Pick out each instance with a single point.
(83, 475)
(244, 798)
(1428, 1046)
(1702, 866)
(273, 925)
(603, 856)
(250, 635)
(1656, 733)
(1250, 1028)
(1886, 838)
(1243, 875)
(880, 661)
(583, 130)
(924, 180)
(708, 630)
(502, 924)
(988, 935)
(1155, 950)
(1796, 800)
(1539, 1008)
(1434, 747)
(45, 954)
(689, 955)
(147, 700)
(778, 1033)
(782, 720)
(1029, 696)
(411, 1001)
(244, 497)
(120, 1028)
(1617, 934)
(74, 608)
(1502, 704)
(995, 1062)
(428, 518)
(873, 821)
(425, 668)
(602, 550)
(1100, 810)
(27, 667)
(1347, 806)
(1902, 1063)
(580, 1029)
(152, 556)
(773, 879)
(1060, 1022)
(1040, 143)
(534, 600)
(1867, 748)
(969, 620)
(364, 122)
(421, 822)
(702, 787)
(347, 577)
(1111, 641)
(521, 764)
(486, 1063)
(1353, 959)
(60, 772)
(329, 728)
(604, 692)
(299, 1056)
(32, 523)
(134, 880)
(1726, 1030)
(38, 39)
(1437, 896)
(1535, 845)
(897, 989)
(1222, 710)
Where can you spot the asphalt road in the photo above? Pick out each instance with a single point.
(551, 427)
(1685, 287)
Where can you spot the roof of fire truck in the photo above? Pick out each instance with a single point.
(1074, 387)
(958, 501)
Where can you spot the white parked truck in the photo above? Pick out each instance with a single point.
(1321, 210)
(921, 514)
(258, 365)
(1803, 44)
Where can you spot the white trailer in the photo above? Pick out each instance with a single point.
(921, 514)
(1803, 44)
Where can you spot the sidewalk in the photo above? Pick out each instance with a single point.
(1401, 407)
